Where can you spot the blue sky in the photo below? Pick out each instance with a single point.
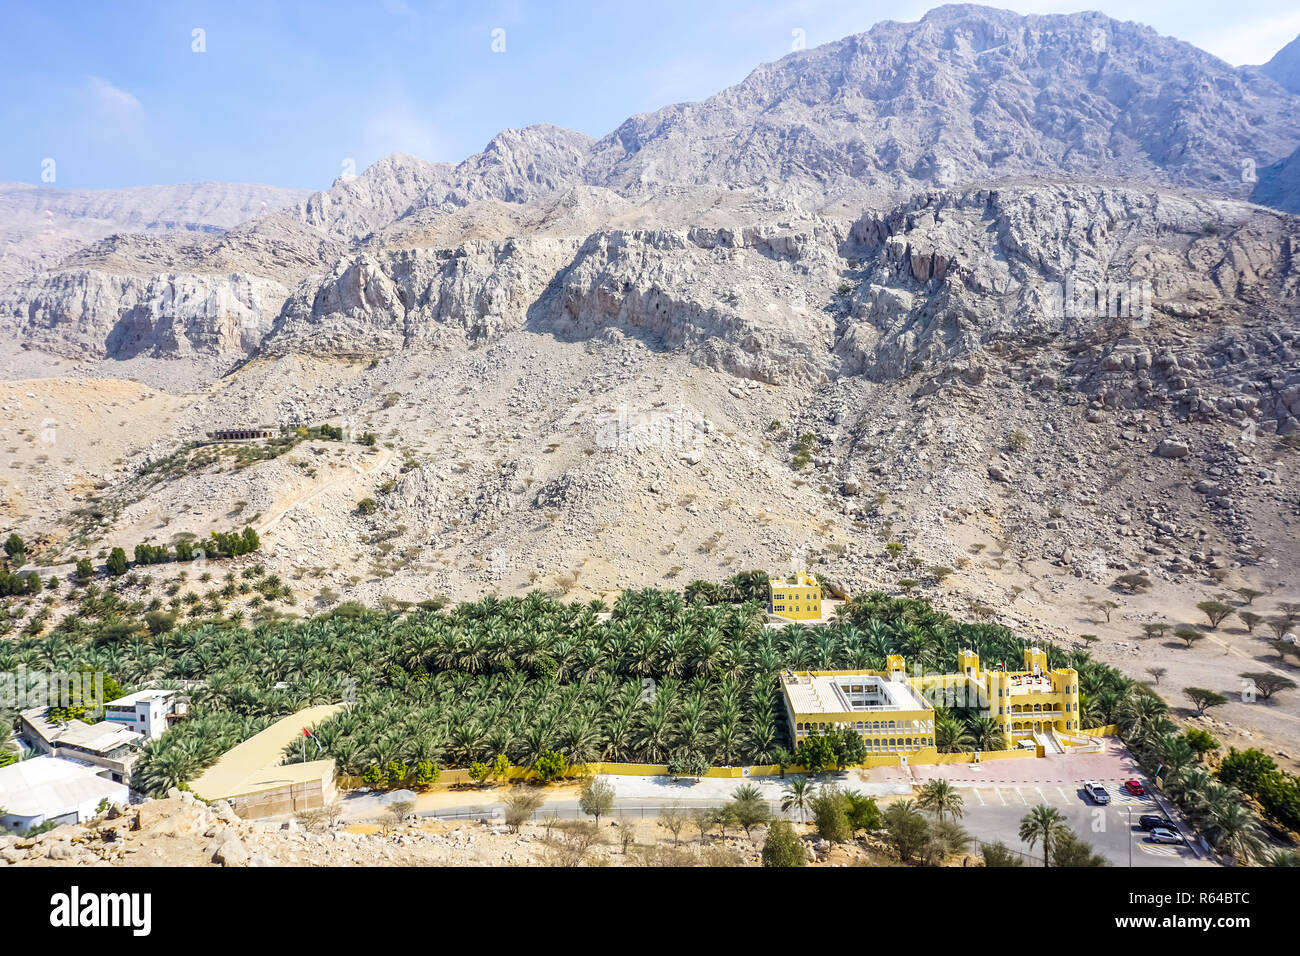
(287, 93)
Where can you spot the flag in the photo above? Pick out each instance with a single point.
(309, 734)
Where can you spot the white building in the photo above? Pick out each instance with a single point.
(55, 789)
(106, 744)
(147, 712)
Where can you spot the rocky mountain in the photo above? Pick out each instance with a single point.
(1285, 66)
(39, 225)
(965, 98)
(1279, 185)
(967, 94)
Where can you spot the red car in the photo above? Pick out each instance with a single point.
(1135, 788)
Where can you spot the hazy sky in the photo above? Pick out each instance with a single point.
(287, 93)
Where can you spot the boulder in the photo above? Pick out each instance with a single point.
(1173, 448)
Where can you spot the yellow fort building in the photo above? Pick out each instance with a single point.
(798, 598)
(1036, 707)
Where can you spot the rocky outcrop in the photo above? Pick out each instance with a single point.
(419, 298)
(83, 311)
(951, 272)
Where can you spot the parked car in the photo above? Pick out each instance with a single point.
(1149, 821)
(1164, 835)
(1097, 792)
(1135, 788)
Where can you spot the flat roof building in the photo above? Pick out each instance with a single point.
(54, 789)
(798, 598)
(106, 744)
(885, 708)
(147, 712)
(1035, 707)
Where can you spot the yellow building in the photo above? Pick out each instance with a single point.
(798, 598)
(886, 709)
(894, 713)
(1029, 704)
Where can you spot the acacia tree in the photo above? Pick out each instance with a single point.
(1215, 611)
(1266, 683)
(1203, 699)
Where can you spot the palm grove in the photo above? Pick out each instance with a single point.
(549, 685)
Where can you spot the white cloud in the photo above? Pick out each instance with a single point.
(112, 99)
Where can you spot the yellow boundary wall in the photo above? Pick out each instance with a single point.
(1110, 730)
(928, 755)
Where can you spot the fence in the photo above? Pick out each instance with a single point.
(544, 814)
(1026, 859)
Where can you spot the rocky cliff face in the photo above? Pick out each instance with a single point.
(373, 303)
(82, 311)
(951, 272)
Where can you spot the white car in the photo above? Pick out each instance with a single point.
(1098, 793)
(1161, 835)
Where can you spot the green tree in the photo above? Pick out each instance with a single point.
(501, 768)
(1201, 741)
(830, 815)
(798, 796)
(1069, 851)
(1246, 769)
(549, 766)
(999, 854)
(863, 812)
(1045, 825)
(782, 847)
(596, 798)
(116, 562)
(816, 753)
(941, 799)
(906, 829)
(1266, 683)
(426, 773)
(849, 747)
(1214, 611)
(1203, 699)
(747, 808)
(478, 772)
(15, 549)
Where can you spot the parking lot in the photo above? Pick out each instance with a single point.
(994, 812)
(999, 793)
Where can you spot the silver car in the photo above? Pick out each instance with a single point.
(1161, 835)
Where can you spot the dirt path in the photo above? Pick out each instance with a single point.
(298, 499)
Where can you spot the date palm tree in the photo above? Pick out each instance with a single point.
(941, 799)
(1043, 824)
(987, 734)
(798, 796)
